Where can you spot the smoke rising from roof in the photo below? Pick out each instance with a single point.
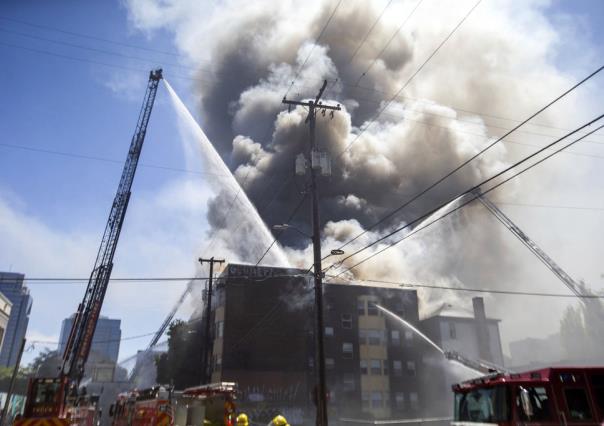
(500, 62)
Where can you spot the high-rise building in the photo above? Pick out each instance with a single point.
(12, 286)
(106, 340)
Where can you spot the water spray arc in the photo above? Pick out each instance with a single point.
(228, 183)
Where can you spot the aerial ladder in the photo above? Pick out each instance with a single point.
(56, 400)
(143, 356)
(578, 289)
(480, 366)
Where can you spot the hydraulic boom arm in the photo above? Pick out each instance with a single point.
(85, 321)
(577, 288)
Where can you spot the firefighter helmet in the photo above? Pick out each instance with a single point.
(279, 421)
(242, 420)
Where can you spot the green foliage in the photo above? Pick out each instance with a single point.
(181, 365)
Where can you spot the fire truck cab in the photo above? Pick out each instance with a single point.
(550, 396)
(212, 404)
(147, 407)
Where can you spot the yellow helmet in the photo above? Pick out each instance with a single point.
(242, 420)
(280, 421)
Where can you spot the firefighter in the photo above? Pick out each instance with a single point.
(242, 420)
(279, 421)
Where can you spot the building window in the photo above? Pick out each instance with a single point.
(413, 400)
(376, 400)
(375, 337)
(399, 400)
(376, 367)
(311, 362)
(395, 337)
(361, 307)
(347, 350)
(219, 329)
(408, 335)
(217, 362)
(329, 363)
(399, 308)
(346, 321)
(329, 331)
(397, 366)
(452, 331)
(362, 336)
(365, 400)
(386, 399)
(348, 382)
(385, 367)
(411, 368)
(372, 309)
(364, 367)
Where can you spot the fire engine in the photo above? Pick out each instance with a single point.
(58, 401)
(550, 396)
(158, 406)
(149, 407)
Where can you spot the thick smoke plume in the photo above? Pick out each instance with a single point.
(498, 64)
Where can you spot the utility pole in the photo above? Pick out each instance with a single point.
(206, 377)
(317, 161)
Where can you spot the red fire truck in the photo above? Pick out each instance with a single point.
(550, 396)
(212, 404)
(149, 407)
(50, 403)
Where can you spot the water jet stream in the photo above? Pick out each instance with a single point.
(411, 327)
(214, 162)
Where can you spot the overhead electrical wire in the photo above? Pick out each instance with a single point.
(389, 41)
(478, 290)
(410, 79)
(370, 30)
(301, 67)
(289, 219)
(88, 36)
(472, 158)
(435, 210)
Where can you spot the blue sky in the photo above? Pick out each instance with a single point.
(58, 104)
(51, 102)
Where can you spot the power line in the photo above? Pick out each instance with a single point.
(289, 218)
(335, 9)
(473, 157)
(97, 50)
(468, 192)
(550, 206)
(103, 159)
(417, 71)
(389, 41)
(480, 290)
(94, 62)
(138, 336)
(104, 40)
(370, 30)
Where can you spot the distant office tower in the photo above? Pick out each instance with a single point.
(11, 285)
(106, 340)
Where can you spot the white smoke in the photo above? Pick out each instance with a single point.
(502, 62)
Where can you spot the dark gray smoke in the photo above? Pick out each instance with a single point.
(500, 62)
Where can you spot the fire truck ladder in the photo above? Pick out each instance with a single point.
(476, 365)
(87, 315)
(578, 289)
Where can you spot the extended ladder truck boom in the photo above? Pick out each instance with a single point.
(55, 401)
(578, 289)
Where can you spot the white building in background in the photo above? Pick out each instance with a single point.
(472, 335)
